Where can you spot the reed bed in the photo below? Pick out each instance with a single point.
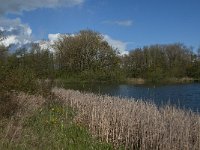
(28, 104)
(132, 123)
(12, 126)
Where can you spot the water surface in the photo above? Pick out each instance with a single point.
(186, 96)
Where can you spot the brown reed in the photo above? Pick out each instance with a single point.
(133, 123)
(27, 105)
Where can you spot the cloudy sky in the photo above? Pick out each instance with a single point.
(125, 24)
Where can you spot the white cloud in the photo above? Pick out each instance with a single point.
(15, 32)
(17, 6)
(9, 40)
(121, 46)
(14, 27)
(19, 34)
(117, 44)
(53, 37)
(125, 23)
(47, 44)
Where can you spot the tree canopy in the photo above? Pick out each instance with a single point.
(87, 55)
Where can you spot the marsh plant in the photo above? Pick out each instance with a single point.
(134, 124)
(41, 123)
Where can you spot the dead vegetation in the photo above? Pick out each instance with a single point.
(134, 124)
(19, 107)
(44, 123)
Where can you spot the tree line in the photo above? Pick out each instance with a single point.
(162, 61)
(87, 56)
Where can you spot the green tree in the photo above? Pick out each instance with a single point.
(85, 52)
(40, 61)
(159, 61)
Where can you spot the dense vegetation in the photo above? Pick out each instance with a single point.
(86, 56)
(37, 121)
(61, 119)
(159, 62)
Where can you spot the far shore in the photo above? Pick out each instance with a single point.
(134, 81)
(141, 81)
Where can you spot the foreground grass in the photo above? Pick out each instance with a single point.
(49, 127)
(70, 119)
(134, 124)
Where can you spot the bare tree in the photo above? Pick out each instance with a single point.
(2, 36)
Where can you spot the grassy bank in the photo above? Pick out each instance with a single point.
(134, 124)
(40, 123)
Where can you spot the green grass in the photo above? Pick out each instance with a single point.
(52, 127)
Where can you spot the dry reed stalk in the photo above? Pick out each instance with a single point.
(133, 123)
(27, 105)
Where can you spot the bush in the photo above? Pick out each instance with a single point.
(19, 80)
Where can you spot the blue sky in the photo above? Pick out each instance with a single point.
(131, 23)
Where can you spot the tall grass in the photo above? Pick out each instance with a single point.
(24, 106)
(133, 123)
(44, 123)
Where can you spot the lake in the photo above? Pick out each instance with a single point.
(186, 96)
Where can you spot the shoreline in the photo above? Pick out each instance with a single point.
(141, 81)
(132, 81)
